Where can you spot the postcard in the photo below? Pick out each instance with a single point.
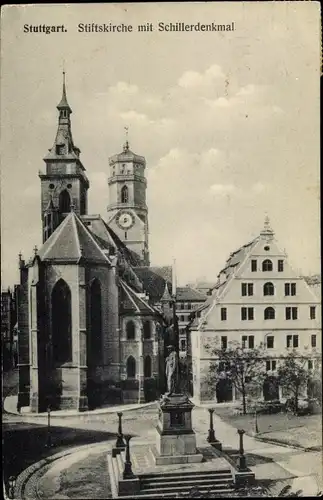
(161, 264)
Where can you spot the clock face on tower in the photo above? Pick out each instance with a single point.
(125, 220)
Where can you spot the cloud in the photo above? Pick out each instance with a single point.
(223, 189)
(195, 79)
(134, 116)
(221, 102)
(124, 88)
(247, 90)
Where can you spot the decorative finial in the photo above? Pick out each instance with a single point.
(126, 144)
(20, 256)
(267, 230)
(35, 250)
(81, 250)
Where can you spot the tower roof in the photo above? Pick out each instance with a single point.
(127, 155)
(63, 104)
(70, 242)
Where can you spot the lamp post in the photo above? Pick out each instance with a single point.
(120, 442)
(49, 438)
(127, 471)
(256, 422)
(211, 436)
(242, 458)
(12, 485)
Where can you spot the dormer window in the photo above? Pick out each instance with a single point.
(60, 149)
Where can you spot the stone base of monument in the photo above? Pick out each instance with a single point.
(175, 438)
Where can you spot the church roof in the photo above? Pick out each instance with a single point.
(133, 302)
(154, 279)
(108, 238)
(72, 241)
(187, 293)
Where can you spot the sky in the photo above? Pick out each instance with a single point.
(228, 123)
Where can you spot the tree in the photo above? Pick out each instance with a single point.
(293, 373)
(243, 367)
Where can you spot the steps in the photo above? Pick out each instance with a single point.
(168, 484)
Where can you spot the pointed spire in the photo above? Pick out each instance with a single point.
(166, 295)
(63, 102)
(174, 279)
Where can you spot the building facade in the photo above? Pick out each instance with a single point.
(258, 300)
(187, 301)
(89, 322)
(8, 330)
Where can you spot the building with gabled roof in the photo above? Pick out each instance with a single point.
(258, 299)
(90, 325)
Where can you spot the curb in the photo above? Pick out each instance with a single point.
(285, 445)
(74, 413)
(26, 474)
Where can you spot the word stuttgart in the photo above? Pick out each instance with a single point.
(44, 28)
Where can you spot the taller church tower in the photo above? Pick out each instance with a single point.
(65, 184)
(127, 209)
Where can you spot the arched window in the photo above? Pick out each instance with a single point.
(267, 265)
(130, 330)
(124, 195)
(131, 367)
(64, 202)
(269, 313)
(147, 330)
(147, 367)
(269, 289)
(61, 323)
(95, 344)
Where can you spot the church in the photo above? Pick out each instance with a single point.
(91, 311)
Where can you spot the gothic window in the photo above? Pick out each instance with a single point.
(269, 289)
(267, 265)
(124, 195)
(131, 367)
(130, 330)
(61, 322)
(269, 313)
(147, 330)
(95, 346)
(147, 367)
(64, 202)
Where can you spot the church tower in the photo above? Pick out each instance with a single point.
(65, 184)
(127, 209)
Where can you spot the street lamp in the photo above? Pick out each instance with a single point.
(49, 440)
(12, 485)
(256, 421)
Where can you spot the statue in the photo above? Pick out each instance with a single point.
(171, 370)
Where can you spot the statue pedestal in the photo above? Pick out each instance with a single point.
(175, 438)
